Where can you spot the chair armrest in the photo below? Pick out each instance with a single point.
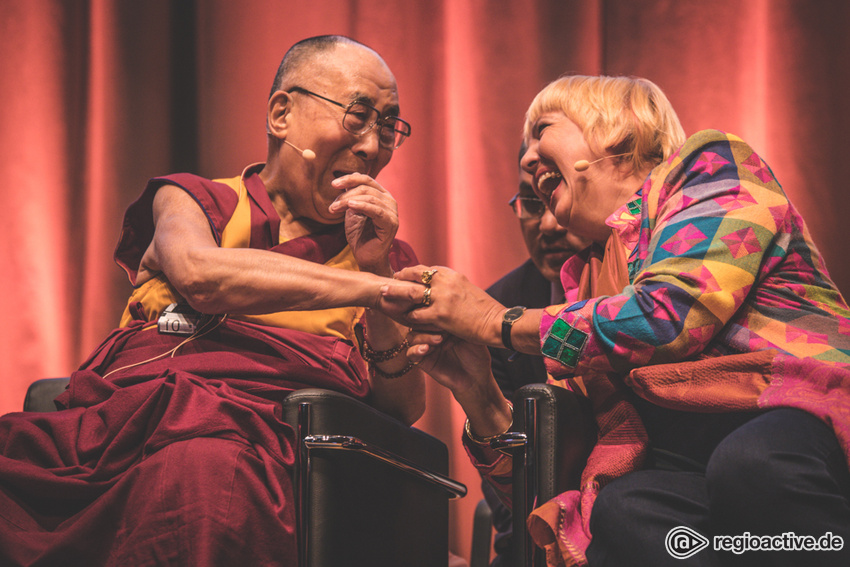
(338, 421)
(347, 478)
(350, 443)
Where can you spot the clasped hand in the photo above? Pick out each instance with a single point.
(449, 320)
(449, 303)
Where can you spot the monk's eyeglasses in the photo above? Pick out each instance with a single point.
(360, 117)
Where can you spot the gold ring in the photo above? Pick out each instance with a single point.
(426, 297)
(428, 275)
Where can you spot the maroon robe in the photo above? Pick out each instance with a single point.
(179, 460)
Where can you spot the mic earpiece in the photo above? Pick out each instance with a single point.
(308, 154)
(583, 164)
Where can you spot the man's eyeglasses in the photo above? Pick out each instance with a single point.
(527, 207)
(360, 117)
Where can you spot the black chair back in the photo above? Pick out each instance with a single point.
(41, 393)
(360, 510)
(559, 434)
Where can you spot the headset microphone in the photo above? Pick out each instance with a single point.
(308, 155)
(583, 164)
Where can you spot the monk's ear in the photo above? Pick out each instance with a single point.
(279, 111)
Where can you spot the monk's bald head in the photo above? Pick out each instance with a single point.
(308, 53)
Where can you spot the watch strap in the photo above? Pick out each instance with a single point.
(508, 319)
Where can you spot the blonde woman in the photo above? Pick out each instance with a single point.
(702, 324)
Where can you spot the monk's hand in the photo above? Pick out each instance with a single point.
(396, 306)
(447, 301)
(371, 220)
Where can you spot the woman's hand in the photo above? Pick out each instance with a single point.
(463, 368)
(454, 363)
(446, 301)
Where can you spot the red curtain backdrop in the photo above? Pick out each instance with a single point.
(99, 95)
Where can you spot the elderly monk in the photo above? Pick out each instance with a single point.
(169, 446)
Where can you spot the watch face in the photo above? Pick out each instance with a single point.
(514, 313)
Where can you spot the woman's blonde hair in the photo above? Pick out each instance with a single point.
(617, 115)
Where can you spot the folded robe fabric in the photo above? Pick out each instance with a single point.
(94, 484)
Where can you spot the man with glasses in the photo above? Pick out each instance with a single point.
(534, 284)
(245, 289)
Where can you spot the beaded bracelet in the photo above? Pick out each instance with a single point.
(392, 375)
(486, 440)
(371, 355)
